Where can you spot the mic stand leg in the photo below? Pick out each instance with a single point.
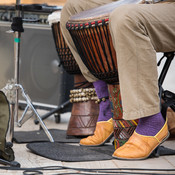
(13, 87)
(29, 103)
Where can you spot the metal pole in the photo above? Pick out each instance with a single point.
(17, 36)
(14, 103)
(16, 72)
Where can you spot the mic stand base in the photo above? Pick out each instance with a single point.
(10, 90)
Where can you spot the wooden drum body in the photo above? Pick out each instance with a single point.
(91, 35)
(84, 112)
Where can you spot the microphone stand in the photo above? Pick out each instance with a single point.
(12, 87)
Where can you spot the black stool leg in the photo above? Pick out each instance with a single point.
(167, 96)
(170, 56)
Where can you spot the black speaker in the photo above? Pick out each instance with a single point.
(46, 84)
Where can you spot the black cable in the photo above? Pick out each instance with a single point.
(35, 172)
(84, 171)
(118, 170)
(118, 173)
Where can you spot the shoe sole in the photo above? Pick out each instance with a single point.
(105, 141)
(143, 158)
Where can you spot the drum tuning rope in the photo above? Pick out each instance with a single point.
(12, 87)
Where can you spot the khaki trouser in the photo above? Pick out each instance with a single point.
(138, 32)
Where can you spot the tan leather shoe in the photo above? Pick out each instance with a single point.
(103, 132)
(140, 146)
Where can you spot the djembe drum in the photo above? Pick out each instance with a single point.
(90, 33)
(85, 111)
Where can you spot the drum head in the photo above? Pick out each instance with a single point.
(99, 12)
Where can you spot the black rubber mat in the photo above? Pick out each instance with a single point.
(40, 136)
(71, 153)
(162, 151)
(76, 153)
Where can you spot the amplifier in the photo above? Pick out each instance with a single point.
(46, 84)
(34, 13)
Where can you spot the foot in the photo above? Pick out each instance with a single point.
(101, 89)
(140, 146)
(151, 125)
(103, 133)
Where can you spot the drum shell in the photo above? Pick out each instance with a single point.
(97, 51)
(65, 55)
(83, 119)
(84, 115)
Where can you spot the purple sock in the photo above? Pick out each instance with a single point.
(101, 89)
(150, 125)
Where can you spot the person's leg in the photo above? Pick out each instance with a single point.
(101, 89)
(138, 32)
(103, 125)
